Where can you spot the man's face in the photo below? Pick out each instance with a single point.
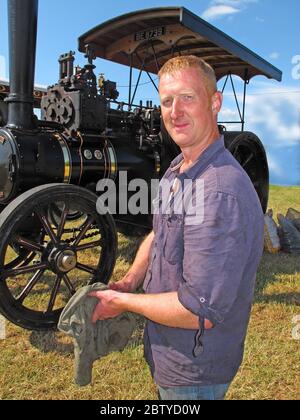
(188, 109)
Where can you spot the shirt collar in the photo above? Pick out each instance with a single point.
(202, 161)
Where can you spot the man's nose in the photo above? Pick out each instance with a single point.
(177, 110)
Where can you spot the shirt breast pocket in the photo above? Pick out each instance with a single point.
(173, 246)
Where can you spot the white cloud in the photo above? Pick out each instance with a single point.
(2, 67)
(227, 114)
(274, 166)
(215, 12)
(274, 56)
(277, 112)
(259, 19)
(220, 8)
(235, 3)
(273, 113)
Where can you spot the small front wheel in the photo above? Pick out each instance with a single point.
(45, 259)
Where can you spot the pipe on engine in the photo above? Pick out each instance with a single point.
(22, 24)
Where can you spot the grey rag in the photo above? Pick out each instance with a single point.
(92, 341)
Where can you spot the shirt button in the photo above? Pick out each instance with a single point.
(202, 300)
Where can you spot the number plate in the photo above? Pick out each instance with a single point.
(150, 34)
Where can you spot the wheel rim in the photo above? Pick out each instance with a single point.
(69, 255)
(248, 151)
(20, 255)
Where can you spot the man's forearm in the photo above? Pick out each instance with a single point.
(163, 308)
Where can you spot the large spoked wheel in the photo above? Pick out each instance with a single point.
(249, 152)
(44, 261)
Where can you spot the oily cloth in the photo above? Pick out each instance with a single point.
(92, 341)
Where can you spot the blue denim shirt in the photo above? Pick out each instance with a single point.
(212, 265)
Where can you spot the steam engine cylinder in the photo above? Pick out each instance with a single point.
(29, 159)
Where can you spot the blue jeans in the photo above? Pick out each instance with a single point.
(201, 392)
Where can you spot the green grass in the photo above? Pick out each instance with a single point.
(40, 365)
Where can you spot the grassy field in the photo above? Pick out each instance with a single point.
(40, 365)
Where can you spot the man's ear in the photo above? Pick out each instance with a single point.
(217, 100)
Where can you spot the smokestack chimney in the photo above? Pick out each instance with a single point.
(22, 26)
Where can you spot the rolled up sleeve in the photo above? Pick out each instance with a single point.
(215, 256)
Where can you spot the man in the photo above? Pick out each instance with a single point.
(198, 277)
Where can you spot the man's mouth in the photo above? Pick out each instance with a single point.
(181, 126)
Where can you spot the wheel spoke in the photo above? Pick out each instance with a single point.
(89, 245)
(87, 224)
(23, 270)
(62, 222)
(27, 260)
(54, 294)
(30, 285)
(248, 160)
(85, 268)
(19, 261)
(28, 244)
(69, 284)
(46, 225)
(235, 152)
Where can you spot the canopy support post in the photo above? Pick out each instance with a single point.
(246, 82)
(130, 82)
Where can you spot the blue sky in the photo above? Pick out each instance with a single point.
(267, 27)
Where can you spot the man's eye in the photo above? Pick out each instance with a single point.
(187, 98)
(167, 102)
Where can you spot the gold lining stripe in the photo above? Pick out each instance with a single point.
(113, 162)
(80, 156)
(67, 158)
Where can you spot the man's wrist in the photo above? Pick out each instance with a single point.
(123, 300)
(136, 278)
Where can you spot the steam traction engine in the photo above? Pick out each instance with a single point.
(52, 239)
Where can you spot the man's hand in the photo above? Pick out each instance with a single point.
(128, 283)
(135, 276)
(109, 305)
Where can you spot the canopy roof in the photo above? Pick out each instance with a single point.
(152, 36)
